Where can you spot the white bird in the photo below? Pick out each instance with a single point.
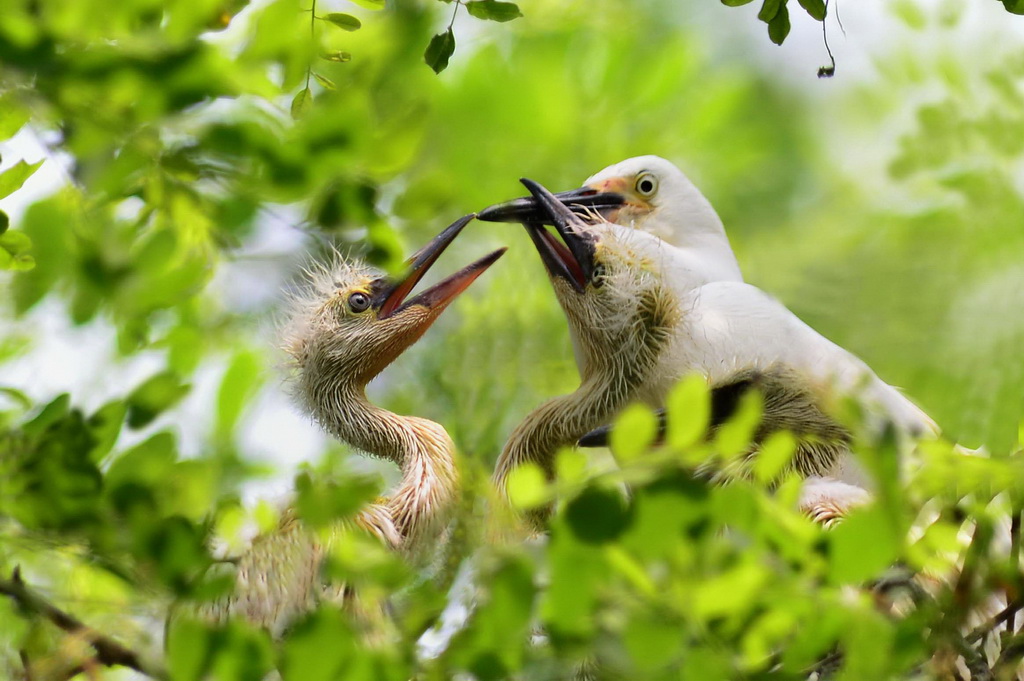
(650, 194)
(641, 325)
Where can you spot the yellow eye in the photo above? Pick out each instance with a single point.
(646, 185)
(358, 301)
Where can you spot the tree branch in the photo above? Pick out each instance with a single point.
(109, 652)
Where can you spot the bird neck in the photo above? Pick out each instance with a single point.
(557, 423)
(423, 500)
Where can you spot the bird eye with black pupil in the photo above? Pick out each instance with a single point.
(358, 301)
(646, 184)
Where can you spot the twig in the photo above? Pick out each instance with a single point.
(26, 664)
(827, 71)
(1013, 605)
(109, 652)
(1004, 615)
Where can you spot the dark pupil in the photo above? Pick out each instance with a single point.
(358, 301)
(646, 186)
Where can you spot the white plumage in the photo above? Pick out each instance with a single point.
(712, 322)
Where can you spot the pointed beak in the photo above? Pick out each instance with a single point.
(585, 201)
(573, 260)
(391, 299)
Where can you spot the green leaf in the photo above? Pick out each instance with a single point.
(689, 412)
(736, 3)
(1014, 6)
(346, 22)
(12, 115)
(526, 486)
(326, 82)
(301, 104)
(57, 409)
(862, 546)
(5, 222)
(493, 10)
(105, 426)
(910, 13)
(155, 395)
(370, 4)
(15, 176)
(598, 515)
(317, 648)
(774, 455)
(14, 251)
(240, 383)
(322, 502)
(778, 28)
(340, 57)
(816, 8)
(18, 396)
(770, 9)
(440, 50)
(634, 432)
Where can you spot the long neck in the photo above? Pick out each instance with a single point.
(422, 503)
(557, 423)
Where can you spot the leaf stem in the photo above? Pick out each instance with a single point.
(451, 23)
(312, 36)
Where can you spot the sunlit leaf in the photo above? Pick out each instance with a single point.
(54, 411)
(910, 13)
(735, 436)
(343, 21)
(14, 250)
(440, 50)
(237, 387)
(862, 546)
(688, 412)
(339, 57)
(494, 10)
(105, 425)
(526, 486)
(15, 176)
(634, 432)
(12, 115)
(774, 454)
(301, 103)
(326, 82)
(18, 396)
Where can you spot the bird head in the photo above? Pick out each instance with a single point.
(609, 279)
(354, 320)
(647, 193)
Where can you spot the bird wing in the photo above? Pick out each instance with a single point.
(734, 327)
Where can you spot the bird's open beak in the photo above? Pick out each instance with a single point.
(573, 260)
(586, 201)
(392, 298)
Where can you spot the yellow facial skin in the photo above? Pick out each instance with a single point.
(639, 189)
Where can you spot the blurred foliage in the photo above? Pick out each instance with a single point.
(185, 136)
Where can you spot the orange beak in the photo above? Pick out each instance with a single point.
(391, 299)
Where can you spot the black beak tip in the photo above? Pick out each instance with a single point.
(599, 437)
